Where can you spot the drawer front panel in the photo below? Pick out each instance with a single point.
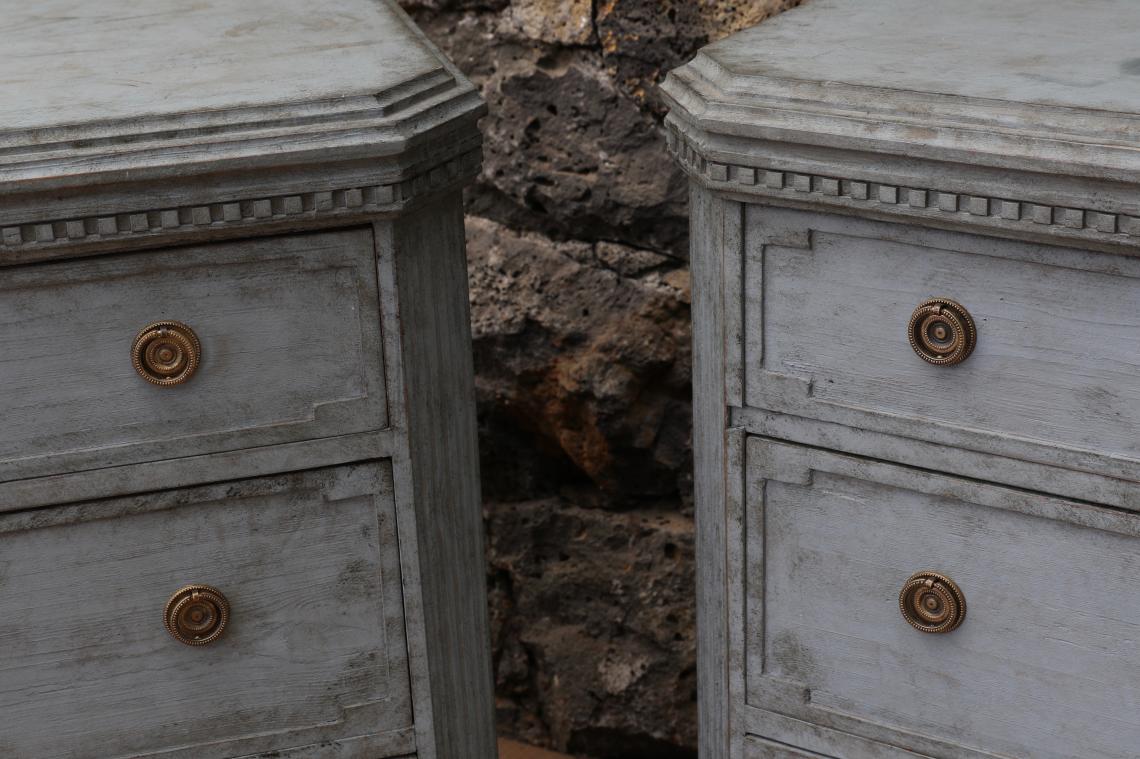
(314, 651)
(1045, 663)
(290, 349)
(1055, 375)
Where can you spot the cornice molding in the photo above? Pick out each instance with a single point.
(338, 100)
(261, 140)
(1033, 138)
(133, 224)
(930, 201)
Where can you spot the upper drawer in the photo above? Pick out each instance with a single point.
(313, 653)
(1054, 377)
(1044, 663)
(291, 349)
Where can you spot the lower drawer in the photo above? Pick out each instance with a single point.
(1045, 663)
(312, 661)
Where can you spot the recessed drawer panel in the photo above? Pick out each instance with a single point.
(1038, 597)
(313, 651)
(288, 333)
(1055, 373)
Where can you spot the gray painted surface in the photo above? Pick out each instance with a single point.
(289, 352)
(969, 49)
(315, 650)
(322, 478)
(800, 739)
(96, 91)
(1044, 665)
(1055, 377)
(68, 62)
(719, 221)
(441, 479)
(875, 155)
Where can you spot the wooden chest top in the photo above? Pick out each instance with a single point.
(1067, 54)
(81, 61)
(1051, 87)
(128, 91)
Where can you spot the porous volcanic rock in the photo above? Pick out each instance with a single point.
(590, 364)
(594, 628)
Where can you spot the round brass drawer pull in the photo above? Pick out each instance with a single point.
(932, 603)
(166, 353)
(942, 332)
(196, 615)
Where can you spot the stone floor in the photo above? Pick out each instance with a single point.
(514, 750)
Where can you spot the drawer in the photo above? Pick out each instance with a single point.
(290, 338)
(1054, 377)
(1045, 663)
(314, 651)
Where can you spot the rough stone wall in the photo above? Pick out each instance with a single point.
(577, 246)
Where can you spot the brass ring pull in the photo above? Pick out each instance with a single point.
(932, 603)
(166, 353)
(942, 332)
(196, 615)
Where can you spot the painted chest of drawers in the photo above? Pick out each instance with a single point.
(239, 496)
(916, 274)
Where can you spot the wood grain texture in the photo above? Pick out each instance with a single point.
(1109, 491)
(814, 740)
(1044, 665)
(438, 477)
(290, 350)
(875, 176)
(110, 227)
(1054, 378)
(863, 88)
(308, 166)
(275, 102)
(69, 62)
(314, 653)
(971, 50)
(186, 471)
(736, 602)
(88, 85)
(891, 189)
(762, 748)
(716, 230)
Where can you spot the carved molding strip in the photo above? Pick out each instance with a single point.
(912, 200)
(251, 212)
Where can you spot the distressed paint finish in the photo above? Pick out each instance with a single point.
(290, 351)
(186, 86)
(875, 176)
(441, 478)
(314, 651)
(718, 224)
(880, 105)
(293, 196)
(1055, 377)
(181, 57)
(799, 739)
(1052, 612)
